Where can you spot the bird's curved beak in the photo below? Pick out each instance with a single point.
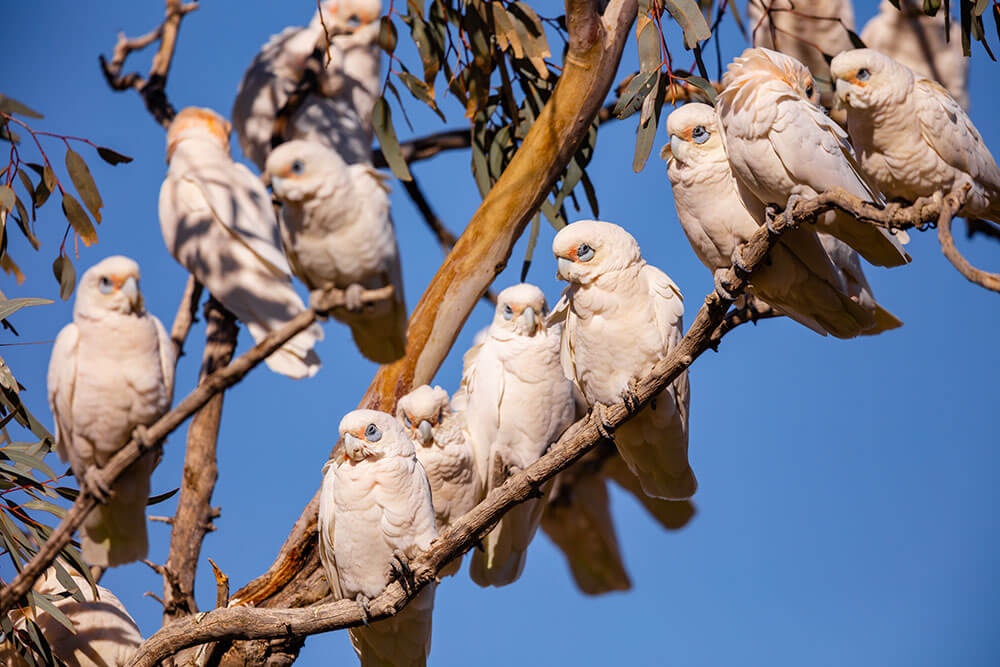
(426, 432)
(841, 94)
(130, 288)
(530, 320)
(563, 268)
(357, 449)
(676, 146)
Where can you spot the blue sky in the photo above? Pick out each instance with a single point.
(847, 507)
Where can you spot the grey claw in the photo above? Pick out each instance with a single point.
(400, 570)
(602, 426)
(352, 297)
(362, 603)
(771, 214)
(736, 258)
(93, 481)
(721, 289)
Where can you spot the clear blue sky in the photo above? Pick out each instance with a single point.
(847, 508)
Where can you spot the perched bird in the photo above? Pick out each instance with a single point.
(621, 316)
(848, 263)
(578, 520)
(338, 114)
(106, 634)
(112, 370)
(922, 43)
(781, 145)
(517, 404)
(800, 280)
(670, 514)
(338, 232)
(375, 514)
(217, 221)
(444, 451)
(807, 30)
(913, 139)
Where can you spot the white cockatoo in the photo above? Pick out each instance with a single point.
(517, 403)
(913, 139)
(338, 231)
(578, 520)
(781, 145)
(620, 317)
(920, 42)
(807, 30)
(670, 514)
(217, 221)
(848, 263)
(444, 451)
(112, 370)
(375, 514)
(800, 279)
(106, 634)
(338, 115)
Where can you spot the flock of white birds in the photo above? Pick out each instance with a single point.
(398, 480)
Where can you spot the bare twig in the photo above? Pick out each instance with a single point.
(754, 311)
(194, 509)
(990, 281)
(143, 440)
(245, 622)
(185, 316)
(153, 88)
(221, 586)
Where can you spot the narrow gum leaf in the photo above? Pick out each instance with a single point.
(78, 219)
(112, 157)
(691, 20)
(12, 106)
(84, 182)
(6, 198)
(382, 121)
(65, 275)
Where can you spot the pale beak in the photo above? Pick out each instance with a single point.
(426, 432)
(666, 154)
(130, 288)
(356, 448)
(563, 267)
(841, 94)
(676, 145)
(529, 319)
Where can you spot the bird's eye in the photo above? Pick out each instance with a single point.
(354, 20)
(584, 252)
(440, 415)
(406, 419)
(298, 167)
(700, 134)
(508, 312)
(863, 74)
(809, 91)
(372, 433)
(105, 285)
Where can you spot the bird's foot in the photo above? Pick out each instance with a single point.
(722, 286)
(599, 410)
(352, 297)
(93, 481)
(362, 603)
(793, 201)
(399, 569)
(141, 437)
(317, 303)
(771, 213)
(736, 258)
(630, 397)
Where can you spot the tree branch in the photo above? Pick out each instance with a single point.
(990, 281)
(247, 622)
(144, 439)
(185, 317)
(479, 255)
(153, 88)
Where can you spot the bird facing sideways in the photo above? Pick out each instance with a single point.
(112, 370)
(337, 231)
(620, 316)
(913, 139)
(375, 514)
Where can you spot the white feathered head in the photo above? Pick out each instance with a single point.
(110, 286)
(421, 411)
(521, 311)
(758, 80)
(198, 123)
(300, 170)
(694, 137)
(346, 16)
(866, 78)
(589, 249)
(370, 434)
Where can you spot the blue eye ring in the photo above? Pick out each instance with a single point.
(105, 286)
(700, 135)
(354, 20)
(406, 419)
(372, 433)
(584, 252)
(298, 167)
(863, 74)
(508, 312)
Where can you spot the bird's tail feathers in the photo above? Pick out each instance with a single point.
(115, 532)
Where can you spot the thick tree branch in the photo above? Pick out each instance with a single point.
(246, 622)
(144, 439)
(153, 88)
(194, 515)
(482, 251)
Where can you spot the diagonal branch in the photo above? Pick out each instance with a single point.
(144, 439)
(246, 622)
(153, 88)
(990, 281)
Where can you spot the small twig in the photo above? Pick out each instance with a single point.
(754, 311)
(162, 519)
(990, 281)
(186, 316)
(217, 382)
(221, 586)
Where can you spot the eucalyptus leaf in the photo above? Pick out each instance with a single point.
(81, 223)
(11, 106)
(386, 133)
(10, 306)
(688, 15)
(65, 275)
(112, 157)
(84, 183)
